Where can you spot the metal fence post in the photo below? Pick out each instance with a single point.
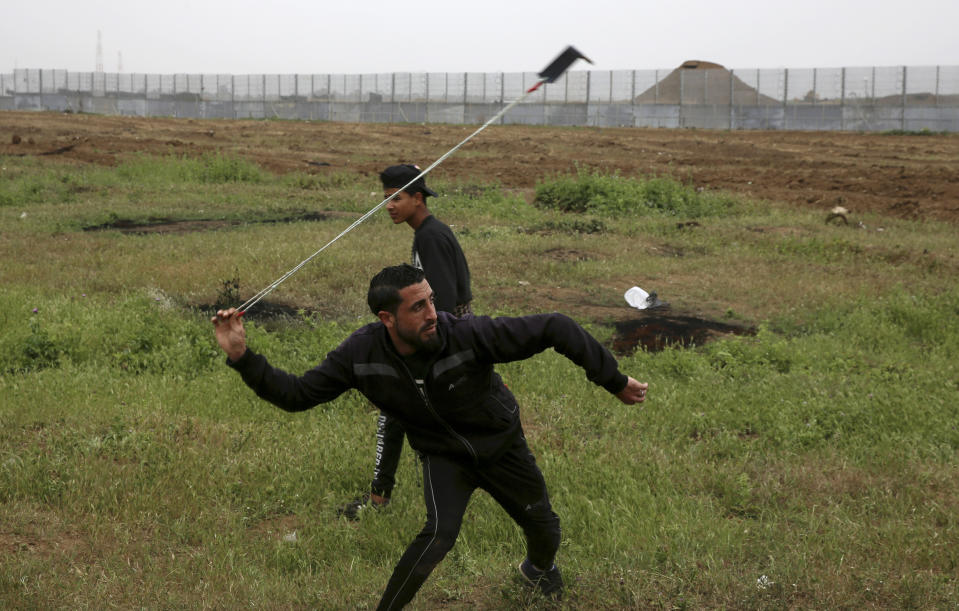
(785, 97)
(815, 93)
(682, 86)
(502, 95)
(758, 99)
(937, 86)
(589, 82)
(732, 78)
(682, 93)
(902, 113)
(842, 100)
(545, 113)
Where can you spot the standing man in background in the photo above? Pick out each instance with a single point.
(437, 252)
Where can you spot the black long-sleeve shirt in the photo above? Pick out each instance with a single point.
(437, 252)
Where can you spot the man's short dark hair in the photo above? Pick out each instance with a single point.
(385, 287)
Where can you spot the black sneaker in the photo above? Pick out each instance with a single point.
(550, 583)
(351, 510)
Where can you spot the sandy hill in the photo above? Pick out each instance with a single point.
(702, 82)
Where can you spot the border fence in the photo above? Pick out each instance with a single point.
(695, 95)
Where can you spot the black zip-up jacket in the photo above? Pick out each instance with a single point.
(462, 409)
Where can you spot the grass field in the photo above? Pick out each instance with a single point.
(810, 465)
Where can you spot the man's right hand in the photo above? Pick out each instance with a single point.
(230, 333)
(635, 392)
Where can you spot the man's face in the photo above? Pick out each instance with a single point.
(413, 327)
(402, 205)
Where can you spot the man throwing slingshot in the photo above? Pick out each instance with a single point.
(434, 372)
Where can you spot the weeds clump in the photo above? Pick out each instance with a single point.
(23, 186)
(211, 168)
(319, 182)
(575, 226)
(37, 351)
(604, 193)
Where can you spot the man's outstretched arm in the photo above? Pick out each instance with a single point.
(289, 392)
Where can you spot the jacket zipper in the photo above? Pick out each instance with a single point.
(420, 386)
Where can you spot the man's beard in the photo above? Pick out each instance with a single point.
(415, 339)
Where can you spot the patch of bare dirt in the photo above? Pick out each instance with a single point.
(905, 176)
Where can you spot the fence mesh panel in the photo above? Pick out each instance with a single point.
(708, 96)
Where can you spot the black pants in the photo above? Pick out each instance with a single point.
(514, 481)
(389, 446)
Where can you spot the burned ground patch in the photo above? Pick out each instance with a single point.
(171, 225)
(657, 331)
(567, 255)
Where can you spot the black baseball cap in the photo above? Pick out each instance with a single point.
(398, 176)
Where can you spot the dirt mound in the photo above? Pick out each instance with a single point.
(702, 82)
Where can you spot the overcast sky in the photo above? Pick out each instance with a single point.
(368, 36)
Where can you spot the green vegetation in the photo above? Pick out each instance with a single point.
(597, 192)
(211, 168)
(812, 465)
(914, 132)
